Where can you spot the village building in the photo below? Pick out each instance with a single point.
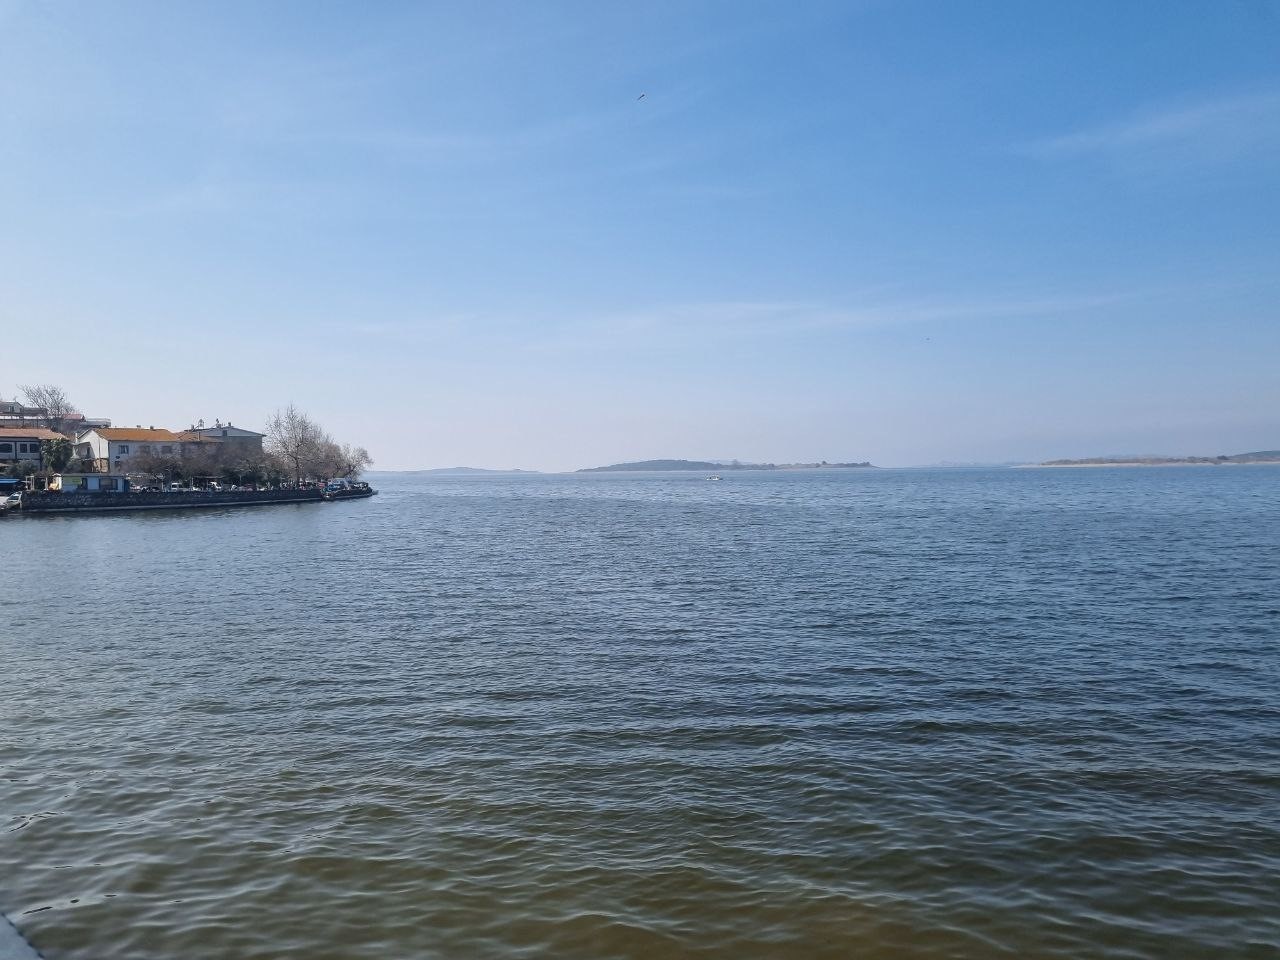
(22, 444)
(89, 483)
(16, 414)
(16, 410)
(110, 449)
(244, 441)
(76, 423)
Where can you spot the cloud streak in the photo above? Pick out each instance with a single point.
(1222, 129)
(695, 325)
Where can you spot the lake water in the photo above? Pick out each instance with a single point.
(863, 714)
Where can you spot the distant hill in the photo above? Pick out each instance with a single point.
(709, 466)
(461, 471)
(1153, 460)
(641, 465)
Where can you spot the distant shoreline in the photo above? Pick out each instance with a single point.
(712, 466)
(460, 471)
(1140, 463)
(1165, 460)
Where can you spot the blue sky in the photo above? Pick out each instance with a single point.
(904, 232)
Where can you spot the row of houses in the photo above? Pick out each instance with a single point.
(14, 413)
(108, 449)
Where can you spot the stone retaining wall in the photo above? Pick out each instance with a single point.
(54, 502)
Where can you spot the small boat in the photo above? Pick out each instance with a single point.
(713, 477)
(347, 490)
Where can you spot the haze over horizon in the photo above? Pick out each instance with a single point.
(457, 235)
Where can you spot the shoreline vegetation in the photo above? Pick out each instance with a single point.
(46, 437)
(1256, 457)
(303, 447)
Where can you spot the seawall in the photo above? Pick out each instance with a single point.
(95, 502)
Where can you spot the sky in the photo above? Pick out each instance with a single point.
(557, 235)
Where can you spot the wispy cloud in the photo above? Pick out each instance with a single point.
(691, 326)
(694, 325)
(1214, 130)
(640, 327)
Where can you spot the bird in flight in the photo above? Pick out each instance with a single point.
(641, 97)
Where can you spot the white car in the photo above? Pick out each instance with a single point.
(13, 500)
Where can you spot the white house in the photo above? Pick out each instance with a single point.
(23, 444)
(111, 448)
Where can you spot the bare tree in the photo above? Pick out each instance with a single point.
(52, 400)
(354, 461)
(295, 438)
(323, 460)
(247, 468)
(202, 460)
(158, 466)
(274, 469)
(308, 451)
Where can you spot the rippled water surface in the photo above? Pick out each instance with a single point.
(907, 714)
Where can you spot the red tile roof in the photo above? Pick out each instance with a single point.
(29, 433)
(144, 435)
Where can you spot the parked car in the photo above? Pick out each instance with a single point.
(13, 500)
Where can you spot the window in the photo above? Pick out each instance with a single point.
(167, 448)
(108, 483)
(145, 448)
(6, 448)
(124, 448)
